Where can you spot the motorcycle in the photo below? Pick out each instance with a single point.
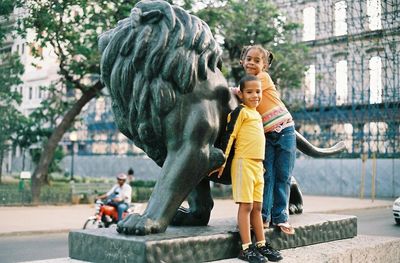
(105, 216)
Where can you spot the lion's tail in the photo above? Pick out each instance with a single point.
(307, 148)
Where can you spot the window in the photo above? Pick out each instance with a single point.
(30, 93)
(6, 50)
(310, 84)
(341, 82)
(340, 19)
(375, 80)
(309, 23)
(374, 13)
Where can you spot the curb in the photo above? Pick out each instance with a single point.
(351, 209)
(66, 230)
(35, 232)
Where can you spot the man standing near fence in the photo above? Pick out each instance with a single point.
(131, 174)
(119, 195)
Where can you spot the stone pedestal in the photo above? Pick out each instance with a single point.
(219, 240)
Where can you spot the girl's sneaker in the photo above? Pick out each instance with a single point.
(252, 255)
(269, 252)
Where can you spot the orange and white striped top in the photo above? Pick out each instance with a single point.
(271, 108)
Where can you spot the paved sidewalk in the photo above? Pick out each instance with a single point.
(48, 219)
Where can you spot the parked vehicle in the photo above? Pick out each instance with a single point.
(396, 210)
(105, 216)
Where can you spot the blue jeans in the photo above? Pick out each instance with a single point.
(280, 155)
(121, 207)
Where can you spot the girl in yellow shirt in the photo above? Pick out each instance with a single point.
(246, 134)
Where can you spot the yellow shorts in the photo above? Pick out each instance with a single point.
(247, 180)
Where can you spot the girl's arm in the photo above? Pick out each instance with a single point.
(266, 81)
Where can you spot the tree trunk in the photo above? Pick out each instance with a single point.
(49, 148)
(23, 159)
(1, 164)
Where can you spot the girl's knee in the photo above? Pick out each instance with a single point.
(257, 207)
(245, 207)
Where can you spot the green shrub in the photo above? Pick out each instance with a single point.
(141, 194)
(20, 194)
(142, 183)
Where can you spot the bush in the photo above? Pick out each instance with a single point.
(20, 194)
(141, 194)
(142, 183)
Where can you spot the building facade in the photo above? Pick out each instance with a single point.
(351, 90)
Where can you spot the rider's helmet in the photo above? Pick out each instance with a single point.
(122, 176)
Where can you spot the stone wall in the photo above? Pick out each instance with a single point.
(343, 177)
(332, 177)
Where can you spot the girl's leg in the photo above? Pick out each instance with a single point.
(244, 222)
(285, 156)
(268, 179)
(264, 248)
(256, 221)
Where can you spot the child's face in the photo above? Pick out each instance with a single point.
(254, 63)
(251, 94)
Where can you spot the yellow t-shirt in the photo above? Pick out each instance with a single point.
(271, 108)
(249, 135)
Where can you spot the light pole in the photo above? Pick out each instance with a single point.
(73, 137)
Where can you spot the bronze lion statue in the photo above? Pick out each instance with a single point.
(162, 68)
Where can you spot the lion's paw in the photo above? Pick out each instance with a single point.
(136, 224)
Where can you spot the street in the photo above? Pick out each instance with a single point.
(33, 247)
(378, 221)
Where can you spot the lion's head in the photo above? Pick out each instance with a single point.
(150, 59)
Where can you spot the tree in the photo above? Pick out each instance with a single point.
(6, 8)
(39, 125)
(240, 23)
(10, 71)
(10, 117)
(71, 29)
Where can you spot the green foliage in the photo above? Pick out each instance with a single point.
(40, 123)
(240, 23)
(55, 164)
(72, 27)
(142, 183)
(35, 129)
(10, 71)
(6, 8)
(20, 194)
(141, 190)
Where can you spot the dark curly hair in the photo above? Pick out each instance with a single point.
(267, 55)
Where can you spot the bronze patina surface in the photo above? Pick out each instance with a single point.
(219, 240)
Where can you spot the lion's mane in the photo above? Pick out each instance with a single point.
(148, 61)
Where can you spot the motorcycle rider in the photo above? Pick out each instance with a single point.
(119, 195)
